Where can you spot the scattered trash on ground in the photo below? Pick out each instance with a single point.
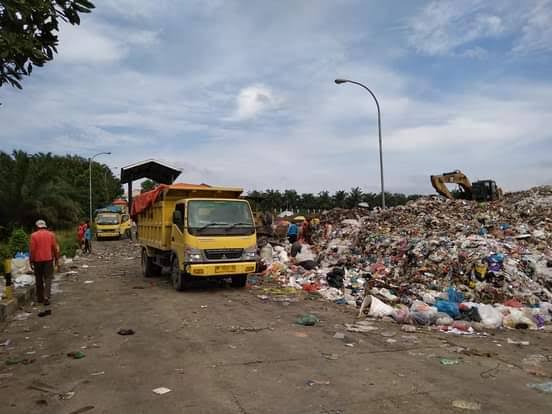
(310, 383)
(331, 357)
(307, 320)
(44, 313)
(545, 387)
(125, 332)
(23, 316)
(95, 374)
(449, 361)
(76, 354)
(240, 329)
(83, 409)
(361, 326)
(161, 390)
(510, 341)
(466, 405)
(15, 361)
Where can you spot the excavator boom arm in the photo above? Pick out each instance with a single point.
(455, 177)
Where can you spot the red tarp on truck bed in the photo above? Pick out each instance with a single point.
(144, 200)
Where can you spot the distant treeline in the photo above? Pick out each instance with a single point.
(275, 200)
(51, 187)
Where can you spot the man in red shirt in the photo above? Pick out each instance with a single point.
(44, 252)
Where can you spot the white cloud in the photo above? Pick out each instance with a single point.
(253, 100)
(83, 44)
(443, 26)
(100, 43)
(537, 31)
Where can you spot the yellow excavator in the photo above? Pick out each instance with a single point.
(483, 190)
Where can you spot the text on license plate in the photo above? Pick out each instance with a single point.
(225, 268)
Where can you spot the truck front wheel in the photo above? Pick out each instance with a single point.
(178, 279)
(149, 269)
(239, 281)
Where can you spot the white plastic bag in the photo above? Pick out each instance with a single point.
(21, 266)
(379, 309)
(491, 318)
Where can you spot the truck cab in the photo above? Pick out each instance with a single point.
(112, 225)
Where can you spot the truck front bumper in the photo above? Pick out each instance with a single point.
(221, 269)
(101, 234)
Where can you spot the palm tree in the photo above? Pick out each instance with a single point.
(355, 197)
(339, 198)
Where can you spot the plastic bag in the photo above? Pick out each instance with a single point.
(21, 266)
(422, 314)
(307, 320)
(450, 308)
(379, 309)
(454, 295)
(401, 314)
(491, 318)
(516, 319)
(444, 319)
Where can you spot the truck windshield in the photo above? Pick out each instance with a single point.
(107, 220)
(219, 217)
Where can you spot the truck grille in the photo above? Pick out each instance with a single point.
(221, 254)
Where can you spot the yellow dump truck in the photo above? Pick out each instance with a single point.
(196, 231)
(110, 224)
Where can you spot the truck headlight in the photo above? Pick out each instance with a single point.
(193, 255)
(250, 253)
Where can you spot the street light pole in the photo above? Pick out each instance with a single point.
(339, 82)
(90, 181)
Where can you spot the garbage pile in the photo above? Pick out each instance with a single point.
(434, 261)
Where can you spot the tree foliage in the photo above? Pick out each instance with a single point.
(51, 187)
(29, 33)
(274, 200)
(147, 185)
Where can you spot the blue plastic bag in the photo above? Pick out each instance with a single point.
(448, 307)
(454, 295)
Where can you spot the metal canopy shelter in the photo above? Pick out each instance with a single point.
(157, 171)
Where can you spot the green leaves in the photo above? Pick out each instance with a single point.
(29, 33)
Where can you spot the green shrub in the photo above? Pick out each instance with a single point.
(4, 254)
(68, 247)
(18, 242)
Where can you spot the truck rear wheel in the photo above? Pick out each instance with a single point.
(149, 269)
(179, 279)
(239, 281)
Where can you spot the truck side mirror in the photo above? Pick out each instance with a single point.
(177, 217)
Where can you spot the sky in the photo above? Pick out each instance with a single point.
(242, 93)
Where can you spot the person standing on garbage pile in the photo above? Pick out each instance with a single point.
(306, 231)
(327, 230)
(292, 232)
(88, 239)
(302, 255)
(44, 253)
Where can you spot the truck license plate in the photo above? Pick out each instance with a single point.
(225, 269)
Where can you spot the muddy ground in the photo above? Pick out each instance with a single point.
(225, 350)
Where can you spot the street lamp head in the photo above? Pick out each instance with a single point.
(340, 81)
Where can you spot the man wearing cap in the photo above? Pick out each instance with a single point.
(43, 253)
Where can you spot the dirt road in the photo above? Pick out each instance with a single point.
(223, 350)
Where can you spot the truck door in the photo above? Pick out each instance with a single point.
(177, 232)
